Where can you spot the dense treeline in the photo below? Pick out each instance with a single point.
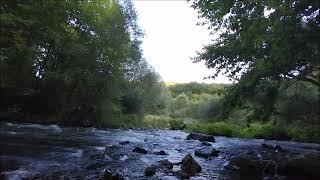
(76, 61)
(293, 114)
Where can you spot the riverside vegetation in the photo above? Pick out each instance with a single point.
(79, 63)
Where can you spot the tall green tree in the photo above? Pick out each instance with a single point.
(77, 57)
(262, 42)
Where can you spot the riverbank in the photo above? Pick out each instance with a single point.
(268, 130)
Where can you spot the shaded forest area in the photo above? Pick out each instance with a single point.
(73, 62)
(293, 115)
(79, 63)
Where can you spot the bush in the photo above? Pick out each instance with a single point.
(216, 128)
(153, 121)
(266, 131)
(125, 121)
(177, 124)
(304, 133)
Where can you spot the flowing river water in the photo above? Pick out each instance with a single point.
(33, 151)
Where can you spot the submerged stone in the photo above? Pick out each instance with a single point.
(140, 150)
(124, 142)
(165, 163)
(108, 175)
(206, 152)
(181, 175)
(161, 152)
(205, 143)
(162, 165)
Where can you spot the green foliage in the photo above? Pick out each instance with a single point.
(152, 121)
(262, 40)
(197, 88)
(196, 102)
(216, 128)
(177, 124)
(304, 133)
(299, 102)
(78, 57)
(260, 45)
(266, 131)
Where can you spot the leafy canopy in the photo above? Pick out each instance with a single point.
(262, 40)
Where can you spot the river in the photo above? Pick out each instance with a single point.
(33, 151)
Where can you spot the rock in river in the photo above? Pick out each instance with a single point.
(189, 166)
(302, 166)
(205, 143)
(124, 142)
(200, 137)
(140, 150)
(245, 167)
(206, 152)
(162, 165)
(108, 175)
(272, 147)
(161, 152)
(150, 170)
(165, 164)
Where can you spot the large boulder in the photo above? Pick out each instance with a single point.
(189, 166)
(251, 167)
(275, 147)
(206, 152)
(245, 168)
(303, 166)
(150, 170)
(201, 137)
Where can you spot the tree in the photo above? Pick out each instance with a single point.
(262, 40)
(260, 44)
(80, 59)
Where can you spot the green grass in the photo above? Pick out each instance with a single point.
(259, 130)
(265, 131)
(148, 121)
(216, 128)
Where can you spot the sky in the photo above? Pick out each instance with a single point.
(172, 38)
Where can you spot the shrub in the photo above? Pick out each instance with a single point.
(304, 133)
(266, 131)
(216, 128)
(177, 124)
(153, 121)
